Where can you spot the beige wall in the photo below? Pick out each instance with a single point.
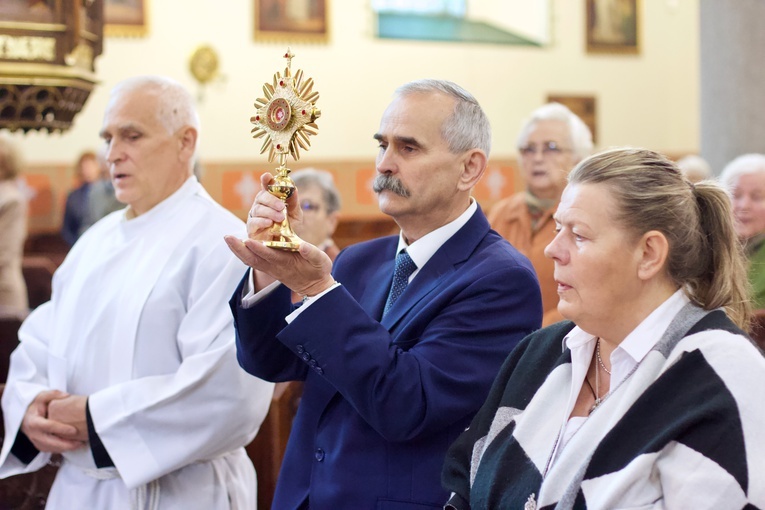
(648, 100)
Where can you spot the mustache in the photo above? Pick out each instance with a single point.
(388, 182)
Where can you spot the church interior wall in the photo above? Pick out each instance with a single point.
(650, 99)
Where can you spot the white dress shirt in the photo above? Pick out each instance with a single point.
(624, 359)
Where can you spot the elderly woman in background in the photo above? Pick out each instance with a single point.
(13, 232)
(745, 179)
(320, 202)
(551, 142)
(649, 396)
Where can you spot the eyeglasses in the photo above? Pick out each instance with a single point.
(547, 149)
(307, 205)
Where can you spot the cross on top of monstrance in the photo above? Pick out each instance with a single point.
(286, 116)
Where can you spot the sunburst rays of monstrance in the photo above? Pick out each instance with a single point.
(286, 117)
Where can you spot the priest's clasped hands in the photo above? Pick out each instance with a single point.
(55, 422)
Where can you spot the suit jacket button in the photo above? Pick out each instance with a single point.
(299, 348)
(319, 370)
(319, 454)
(306, 357)
(313, 363)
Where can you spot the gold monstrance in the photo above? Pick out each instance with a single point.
(286, 116)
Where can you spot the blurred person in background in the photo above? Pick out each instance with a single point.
(320, 202)
(551, 142)
(76, 211)
(13, 232)
(102, 199)
(744, 177)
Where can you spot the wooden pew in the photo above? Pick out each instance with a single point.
(38, 274)
(267, 449)
(50, 244)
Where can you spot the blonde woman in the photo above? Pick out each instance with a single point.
(649, 396)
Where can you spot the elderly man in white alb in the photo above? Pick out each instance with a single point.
(130, 370)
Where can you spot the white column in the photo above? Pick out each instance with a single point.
(732, 50)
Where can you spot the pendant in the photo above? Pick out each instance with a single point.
(531, 503)
(598, 401)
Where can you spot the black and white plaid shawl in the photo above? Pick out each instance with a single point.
(686, 430)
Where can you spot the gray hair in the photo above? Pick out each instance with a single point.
(581, 137)
(323, 180)
(176, 106)
(743, 165)
(467, 127)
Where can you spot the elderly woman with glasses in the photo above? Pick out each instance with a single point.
(649, 395)
(744, 177)
(320, 202)
(551, 142)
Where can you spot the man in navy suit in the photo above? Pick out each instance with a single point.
(388, 388)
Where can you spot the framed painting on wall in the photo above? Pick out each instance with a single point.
(613, 26)
(292, 20)
(585, 107)
(126, 18)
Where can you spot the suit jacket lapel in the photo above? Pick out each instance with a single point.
(374, 296)
(445, 261)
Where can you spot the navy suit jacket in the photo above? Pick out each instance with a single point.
(385, 398)
(75, 214)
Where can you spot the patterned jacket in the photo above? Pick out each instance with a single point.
(687, 430)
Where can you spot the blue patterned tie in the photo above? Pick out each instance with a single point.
(405, 266)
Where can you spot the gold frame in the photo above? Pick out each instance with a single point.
(585, 107)
(117, 26)
(624, 39)
(279, 29)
